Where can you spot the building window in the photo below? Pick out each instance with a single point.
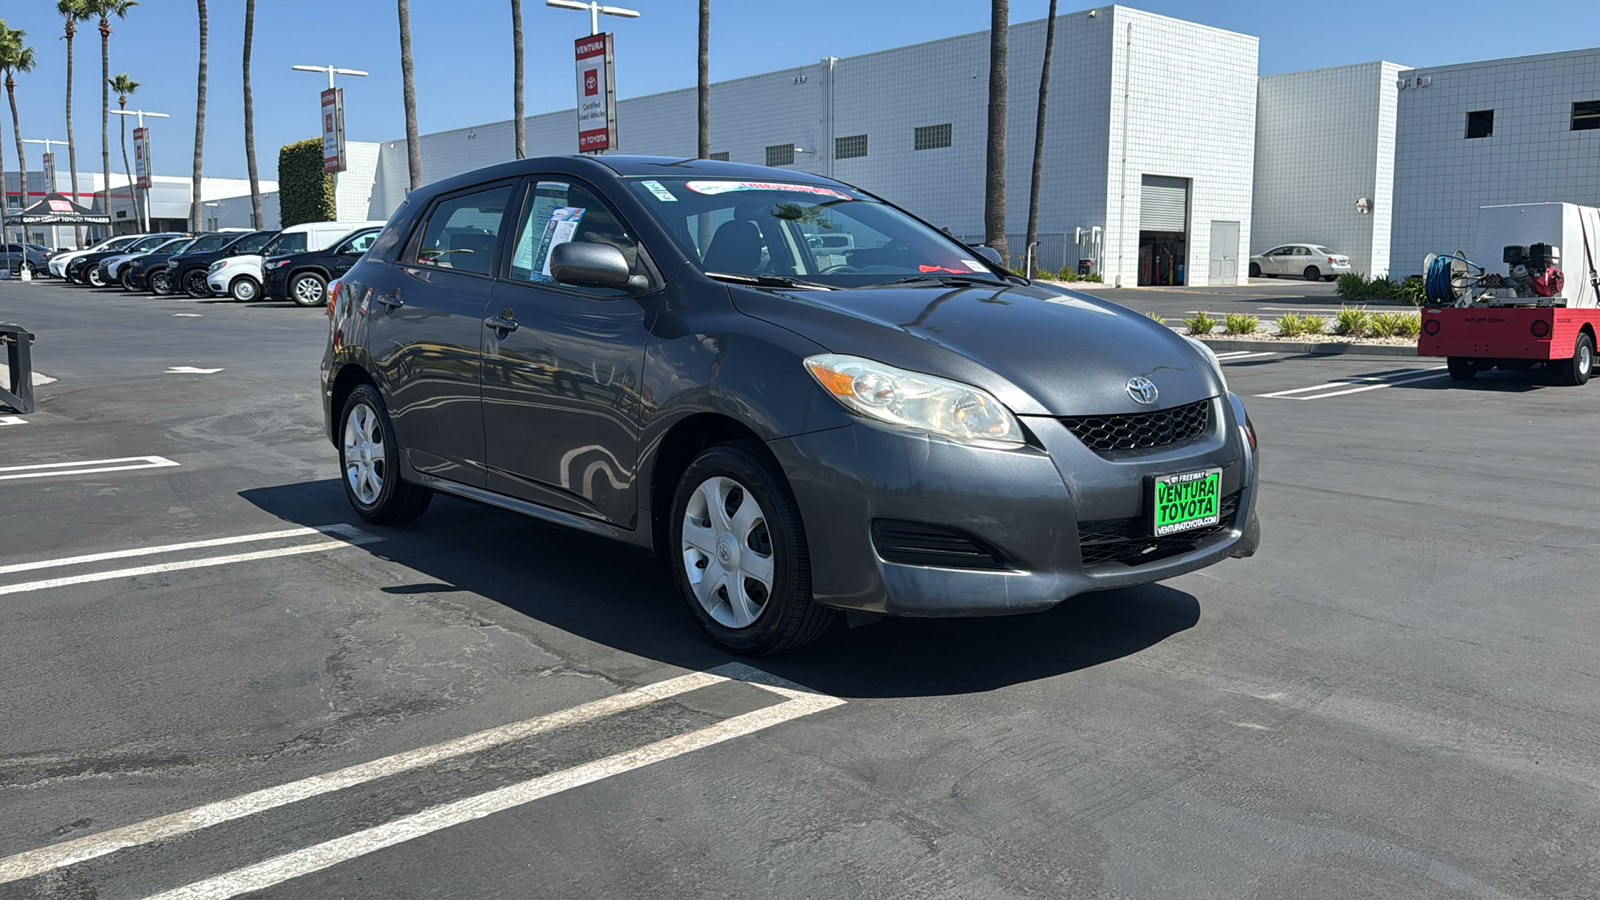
(720, 157)
(1480, 123)
(780, 155)
(931, 137)
(850, 147)
(1586, 115)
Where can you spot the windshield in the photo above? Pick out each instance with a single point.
(209, 243)
(252, 243)
(176, 245)
(145, 245)
(825, 235)
(285, 243)
(112, 244)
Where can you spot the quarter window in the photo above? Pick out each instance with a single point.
(1480, 124)
(1586, 115)
(931, 137)
(557, 212)
(461, 232)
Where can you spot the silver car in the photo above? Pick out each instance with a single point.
(1310, 261)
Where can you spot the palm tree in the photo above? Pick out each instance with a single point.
(994, 192)
(105, 9)
(5, 200)
(409, 92)
(703, 91)
(16, 56)
(1038, 139)
(249, 118)
(74, 11)
(124, 86)
(519, 128)
(199, 127)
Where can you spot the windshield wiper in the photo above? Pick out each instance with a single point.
(769, 281)
(946, 278)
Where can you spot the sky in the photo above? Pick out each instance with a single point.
(462, 54)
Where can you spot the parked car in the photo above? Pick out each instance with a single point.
(85, 269)
(34, 257)
(240, 276)
(1310, 261)
(111, 267)
(136, 273)
(303, 277)
(188, 271)
(58, 262)
(911, 431)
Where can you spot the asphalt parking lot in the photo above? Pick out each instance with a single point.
(219, 682)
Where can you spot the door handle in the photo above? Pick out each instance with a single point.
(391, 300)
(503, 322)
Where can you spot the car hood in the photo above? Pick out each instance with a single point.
(1041, 351)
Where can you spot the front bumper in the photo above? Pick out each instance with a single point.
(275, 283)
(1027, 505)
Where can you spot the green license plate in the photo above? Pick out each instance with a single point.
(1186, 501)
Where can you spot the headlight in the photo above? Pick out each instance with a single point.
(278, 263)
(1211, 358)
(219, 264)
(914, 401)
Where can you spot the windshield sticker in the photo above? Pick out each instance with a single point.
(974, 265)
(559, 230)
(661, 193)
(927, 269)
(724, 187)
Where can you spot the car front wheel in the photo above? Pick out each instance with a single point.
(161, 282)
(1255, 271)
(194, 284)
(94, 278)
(127, 281)
(739, 552)
(308, 290)
(244, 289)
(369, 458)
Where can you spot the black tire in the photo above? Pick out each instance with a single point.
(1577, 370)
(1329, 277)
(308, 289)
(395, 500)
(93, 279)
(1312, 273)
(1463, 368)
(127, 280)
(788, 616)
(160, 282)
(194, 284)
(244, 289)
(1255, 271)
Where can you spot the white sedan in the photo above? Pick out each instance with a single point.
(1310, 261)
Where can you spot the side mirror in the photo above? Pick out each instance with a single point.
(992, 255)
(588, 264)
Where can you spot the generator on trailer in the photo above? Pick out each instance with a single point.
(1528, 296)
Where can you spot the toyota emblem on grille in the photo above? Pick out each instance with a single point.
(1142, 390)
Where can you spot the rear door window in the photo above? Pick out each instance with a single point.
(461, 232)
(285, 244)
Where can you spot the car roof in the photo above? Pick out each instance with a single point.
(626, 167)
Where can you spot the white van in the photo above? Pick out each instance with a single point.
(240, 276)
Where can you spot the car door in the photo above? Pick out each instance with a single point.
(424, 326)
(562, 364)
(8, 252)
(345, 254)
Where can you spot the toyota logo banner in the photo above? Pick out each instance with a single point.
(597, 108)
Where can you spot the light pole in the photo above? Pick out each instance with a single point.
(595, 11)
(49, 182)
(144, 223)
(335, 125)
(331, 70)
(215, 219)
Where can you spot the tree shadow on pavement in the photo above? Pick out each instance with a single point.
(608, 594)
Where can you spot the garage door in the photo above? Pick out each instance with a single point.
(1163, 203)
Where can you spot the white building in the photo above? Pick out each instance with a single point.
(168, 199)
(1150, 138)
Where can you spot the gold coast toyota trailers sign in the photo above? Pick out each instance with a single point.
(597, 107)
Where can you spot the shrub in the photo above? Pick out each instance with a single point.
(305, 192)
(1068, 274)
(1352, 321)
(1314, 325)
(1382, 324)
(1351, 286)
(1238, 323)
(1094, 277)
(1200, 323)
(1412, 291)
(1295, 325)
(1157, 317)
(1408, 324)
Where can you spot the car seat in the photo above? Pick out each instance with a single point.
(736, 247)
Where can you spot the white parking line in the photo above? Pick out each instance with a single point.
(13, 420)
(202, 563)
(347, 530)
(86, 467)
(1243, 354)
(798, 701)
(1357, 384)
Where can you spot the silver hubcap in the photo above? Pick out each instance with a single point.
(364, 457)
(244, 289)
(1585, 359)
(727, 552)
(308, 291)
(94, 278)
(158, 283)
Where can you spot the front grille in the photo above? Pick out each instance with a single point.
(916, 544)
(1129, 541)
(1141, 431)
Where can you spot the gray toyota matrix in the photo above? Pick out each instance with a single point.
(804, 398)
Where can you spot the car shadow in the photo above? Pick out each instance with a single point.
(626, 600)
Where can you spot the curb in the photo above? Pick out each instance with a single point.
(1320, 349)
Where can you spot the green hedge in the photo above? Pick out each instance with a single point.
(305, 192)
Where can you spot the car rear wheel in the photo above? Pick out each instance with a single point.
(1255, 271)
(369, 456)
(244, 289)
(308, 289)
(1463, 368)
(194, 284)
(739, 552)
(161, 282)
(1313, 274)
(1578, 369)
(94, 279)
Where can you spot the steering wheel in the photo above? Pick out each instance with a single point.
(842, 268)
